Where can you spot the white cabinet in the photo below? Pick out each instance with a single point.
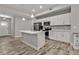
(55, 21)
(67, 36)
(60, 36)
(52, 20)
(63, 19)
(60, 19)
(52, 35)
(67, 19)
(33, 39)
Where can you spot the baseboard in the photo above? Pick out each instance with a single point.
(17, 36)
(5, 36)
(61, 41)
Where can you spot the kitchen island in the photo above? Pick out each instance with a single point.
(35, 39)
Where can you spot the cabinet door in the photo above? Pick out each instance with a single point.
(67, 19)
(52, 35)
(55, 20)
(56, 35)
(60, 19)
(64, 36)
(52, 20)
(67, 36)
(60, 36)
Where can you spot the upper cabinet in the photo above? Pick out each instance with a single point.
(53, 20)
(63, 19)
(60, 20)
(66, 19)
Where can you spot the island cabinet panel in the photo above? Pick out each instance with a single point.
(30, 39)
(35, 39)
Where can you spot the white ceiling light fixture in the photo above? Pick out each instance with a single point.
(6, 16)
(4, 24)
(23, 19)
(41, 7)
(33, 10)
(32, 16)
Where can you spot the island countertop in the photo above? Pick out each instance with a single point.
(30, 32)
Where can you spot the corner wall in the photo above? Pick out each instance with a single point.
(22, 25)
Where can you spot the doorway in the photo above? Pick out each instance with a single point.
(5, 26)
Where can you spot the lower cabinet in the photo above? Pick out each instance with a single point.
(63, 36)
(67, 36)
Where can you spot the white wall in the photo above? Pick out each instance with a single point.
(75, 18)
(22, 25)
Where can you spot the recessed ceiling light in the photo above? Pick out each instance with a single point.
(1, 15)
(4, 24)
(41, 7)
(32, 16)
(33, 10)
(23, 19)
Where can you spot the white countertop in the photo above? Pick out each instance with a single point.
(30, 32)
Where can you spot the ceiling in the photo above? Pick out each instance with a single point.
(24, 9)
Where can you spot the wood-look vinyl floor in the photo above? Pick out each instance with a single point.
(14, 46)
